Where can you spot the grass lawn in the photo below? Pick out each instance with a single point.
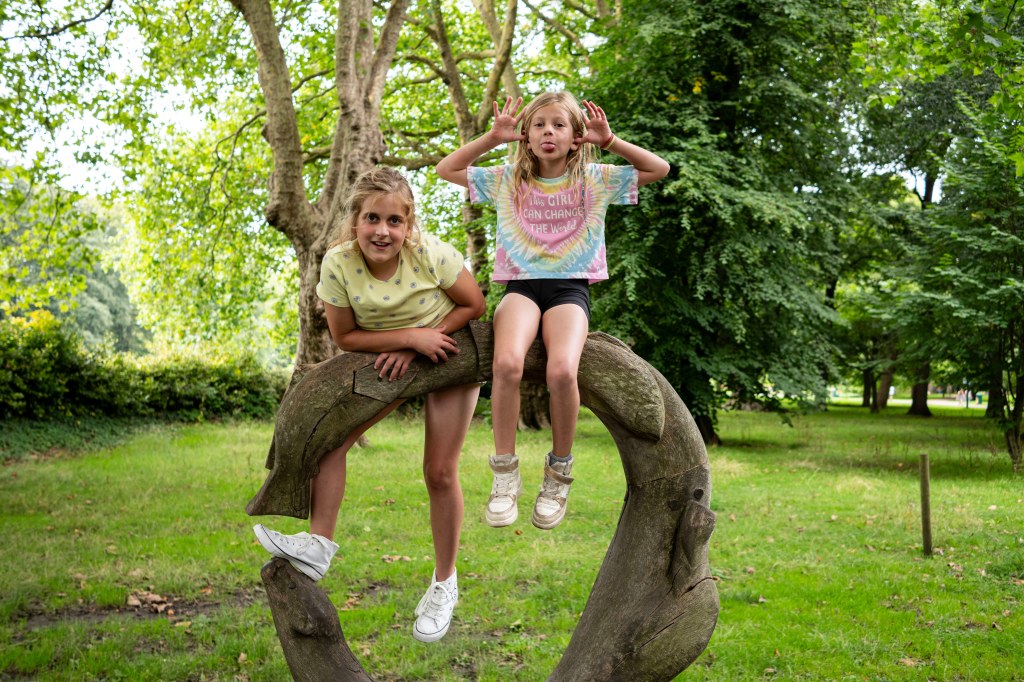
(137, 562)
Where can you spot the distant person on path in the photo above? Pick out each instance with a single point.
(551, 203)
(391, 290)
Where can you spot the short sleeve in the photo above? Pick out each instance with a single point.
(332, 286)
(621, 182)
(484, 183)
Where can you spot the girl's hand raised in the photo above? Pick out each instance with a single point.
(505, 121)
(433, 343)
(599, 132)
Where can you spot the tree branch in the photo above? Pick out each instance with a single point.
(560, 28)
(287, 196)
(485, 9)
(452, 78)
(61, 29)
(386, 47)
(502, 60)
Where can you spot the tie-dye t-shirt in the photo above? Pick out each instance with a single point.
(553, 234)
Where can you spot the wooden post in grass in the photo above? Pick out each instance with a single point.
(926, 505)
(653, 606)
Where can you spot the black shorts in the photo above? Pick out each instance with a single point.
(548, 293)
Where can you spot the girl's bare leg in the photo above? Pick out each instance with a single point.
(328, 486)
(448, 414)
(564, 332)
(515, 327)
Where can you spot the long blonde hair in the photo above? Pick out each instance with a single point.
(526, 165)
(373, 183)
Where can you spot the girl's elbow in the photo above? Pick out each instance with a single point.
(477, 310)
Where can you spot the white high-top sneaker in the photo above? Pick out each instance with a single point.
(549, 509)
(502, 506)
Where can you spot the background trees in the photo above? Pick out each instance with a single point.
(784, 251)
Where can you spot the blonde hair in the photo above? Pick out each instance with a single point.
(526, 165)
(373, 183)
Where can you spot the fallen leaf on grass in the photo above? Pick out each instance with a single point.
(909, 662)
(392, 558)
(185, 624)
(242, 657)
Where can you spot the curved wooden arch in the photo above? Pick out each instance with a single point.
(653, 606)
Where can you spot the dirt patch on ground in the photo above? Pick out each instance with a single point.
(139, 605)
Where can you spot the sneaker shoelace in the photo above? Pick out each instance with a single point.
(503, 484)
(440, 602)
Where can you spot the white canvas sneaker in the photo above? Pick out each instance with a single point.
(434, 613)
(549, 509)
(502, 506)
(310, 554)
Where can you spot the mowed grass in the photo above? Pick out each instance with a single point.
(817, 553)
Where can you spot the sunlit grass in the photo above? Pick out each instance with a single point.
(816, 551)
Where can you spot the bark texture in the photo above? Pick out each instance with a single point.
(654, 605)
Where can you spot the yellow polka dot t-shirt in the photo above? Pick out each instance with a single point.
(413, 297)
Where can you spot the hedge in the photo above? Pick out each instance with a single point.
(46, 371)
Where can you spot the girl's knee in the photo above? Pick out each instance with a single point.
(440, 478)
(508, 367)
(560, 376)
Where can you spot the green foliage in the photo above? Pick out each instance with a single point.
(44, 253)
(909, 41)
(970, 267)
(719, 276)
(46, 372)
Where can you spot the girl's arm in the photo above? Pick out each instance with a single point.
(453, 167)
(469, 302)
(649, 166)
(469, 305)
(432, 342)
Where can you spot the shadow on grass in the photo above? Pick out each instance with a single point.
(960, 446)
(24, 438)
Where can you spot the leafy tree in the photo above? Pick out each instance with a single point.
(43, 251)
(970, 266)
(719, 277)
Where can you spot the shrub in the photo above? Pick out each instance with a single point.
(46, 371)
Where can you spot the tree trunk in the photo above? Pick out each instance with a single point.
(476, 242)
(996, 398)
(308, 626)
(882, 394)
(654, 605)
(534, 407)
(919, 393)
(364, 51)
(869, 387)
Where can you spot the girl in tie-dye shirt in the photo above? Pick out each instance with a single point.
(551, 202)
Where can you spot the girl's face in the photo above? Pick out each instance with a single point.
(381, 228)
(550, 137)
